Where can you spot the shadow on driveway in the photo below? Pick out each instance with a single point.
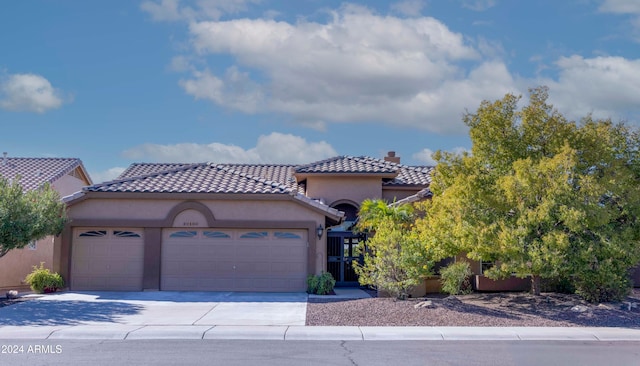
(65, 312)
(188, 296)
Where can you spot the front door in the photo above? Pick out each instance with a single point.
(343, 247)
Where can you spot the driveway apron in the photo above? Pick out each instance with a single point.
(158, 308)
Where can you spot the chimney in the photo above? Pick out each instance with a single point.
(391, 157)
(4, 159)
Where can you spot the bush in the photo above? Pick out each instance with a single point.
(312, 284)
(42, 280)
(325, 283)
(455, 278)
(562, 285)
(603, 283)
(321, 285)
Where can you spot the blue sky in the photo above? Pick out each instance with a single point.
(264, 81)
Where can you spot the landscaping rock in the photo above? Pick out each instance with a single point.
(12, 294)
(424, 304)
(580, 308)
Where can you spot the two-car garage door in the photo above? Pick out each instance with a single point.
(192, 259)
(234, 260)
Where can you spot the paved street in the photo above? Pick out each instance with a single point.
(295, 353)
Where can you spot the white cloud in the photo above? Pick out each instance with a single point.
(28, 92)
(411, 8)
(425, 156)
(631, 7)
(236, 90)
(174, 10)
(273, 148)
(621, 6)
(479, 5)
(107, 175)
(357, 67)
(604, 86)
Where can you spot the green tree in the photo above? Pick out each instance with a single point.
(540, 195)
(28, 216)
(395, 260)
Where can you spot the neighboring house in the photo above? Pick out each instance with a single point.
(65, 176)
(225, 227)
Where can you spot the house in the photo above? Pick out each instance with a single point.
(225, 227)
(65, 176)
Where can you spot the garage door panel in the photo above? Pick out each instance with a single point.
(235, 260)
(107, 259)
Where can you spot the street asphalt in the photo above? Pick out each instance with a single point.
(227, 315)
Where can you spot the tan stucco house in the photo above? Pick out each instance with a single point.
(65, 175)
(225, 227)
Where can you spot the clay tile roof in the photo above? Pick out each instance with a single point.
(270, 174)
(34, 172)
(194, 178)
(350, 164)
(138, 169)
(421, 195)
(411, 175)
(280, 173)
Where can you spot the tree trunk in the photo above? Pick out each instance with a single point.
(535, 285)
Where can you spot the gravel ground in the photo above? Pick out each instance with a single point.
(480, 309)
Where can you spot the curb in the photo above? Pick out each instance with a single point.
(308, 333)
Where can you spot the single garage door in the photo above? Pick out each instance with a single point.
(234, 260)
(107, 259)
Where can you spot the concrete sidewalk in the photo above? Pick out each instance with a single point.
(297, 333)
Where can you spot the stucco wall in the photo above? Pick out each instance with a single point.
(68, 185)
(157, 209)
(16, 264)
(153, 213)
(332, 189)
(390, 194)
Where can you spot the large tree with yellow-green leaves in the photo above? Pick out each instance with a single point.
(540, 196)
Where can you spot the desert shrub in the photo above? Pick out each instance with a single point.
(325, 283)
(603, 283)
(562, 285)
(396, 261)
(455, 278)
(321, 285)
(42, 280)
(312, 284)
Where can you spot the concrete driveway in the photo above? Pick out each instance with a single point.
(158, 308)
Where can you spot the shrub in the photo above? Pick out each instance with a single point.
(42, 280)
(312, 284)
(455, 278)
(603, 283)
(325, 283)
(321, 285)
(559, 284)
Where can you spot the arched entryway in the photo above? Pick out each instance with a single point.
(344, 247)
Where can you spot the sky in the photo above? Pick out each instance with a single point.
(265, 81)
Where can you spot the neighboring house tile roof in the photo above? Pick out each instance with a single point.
(34, 172)
(350, 164)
